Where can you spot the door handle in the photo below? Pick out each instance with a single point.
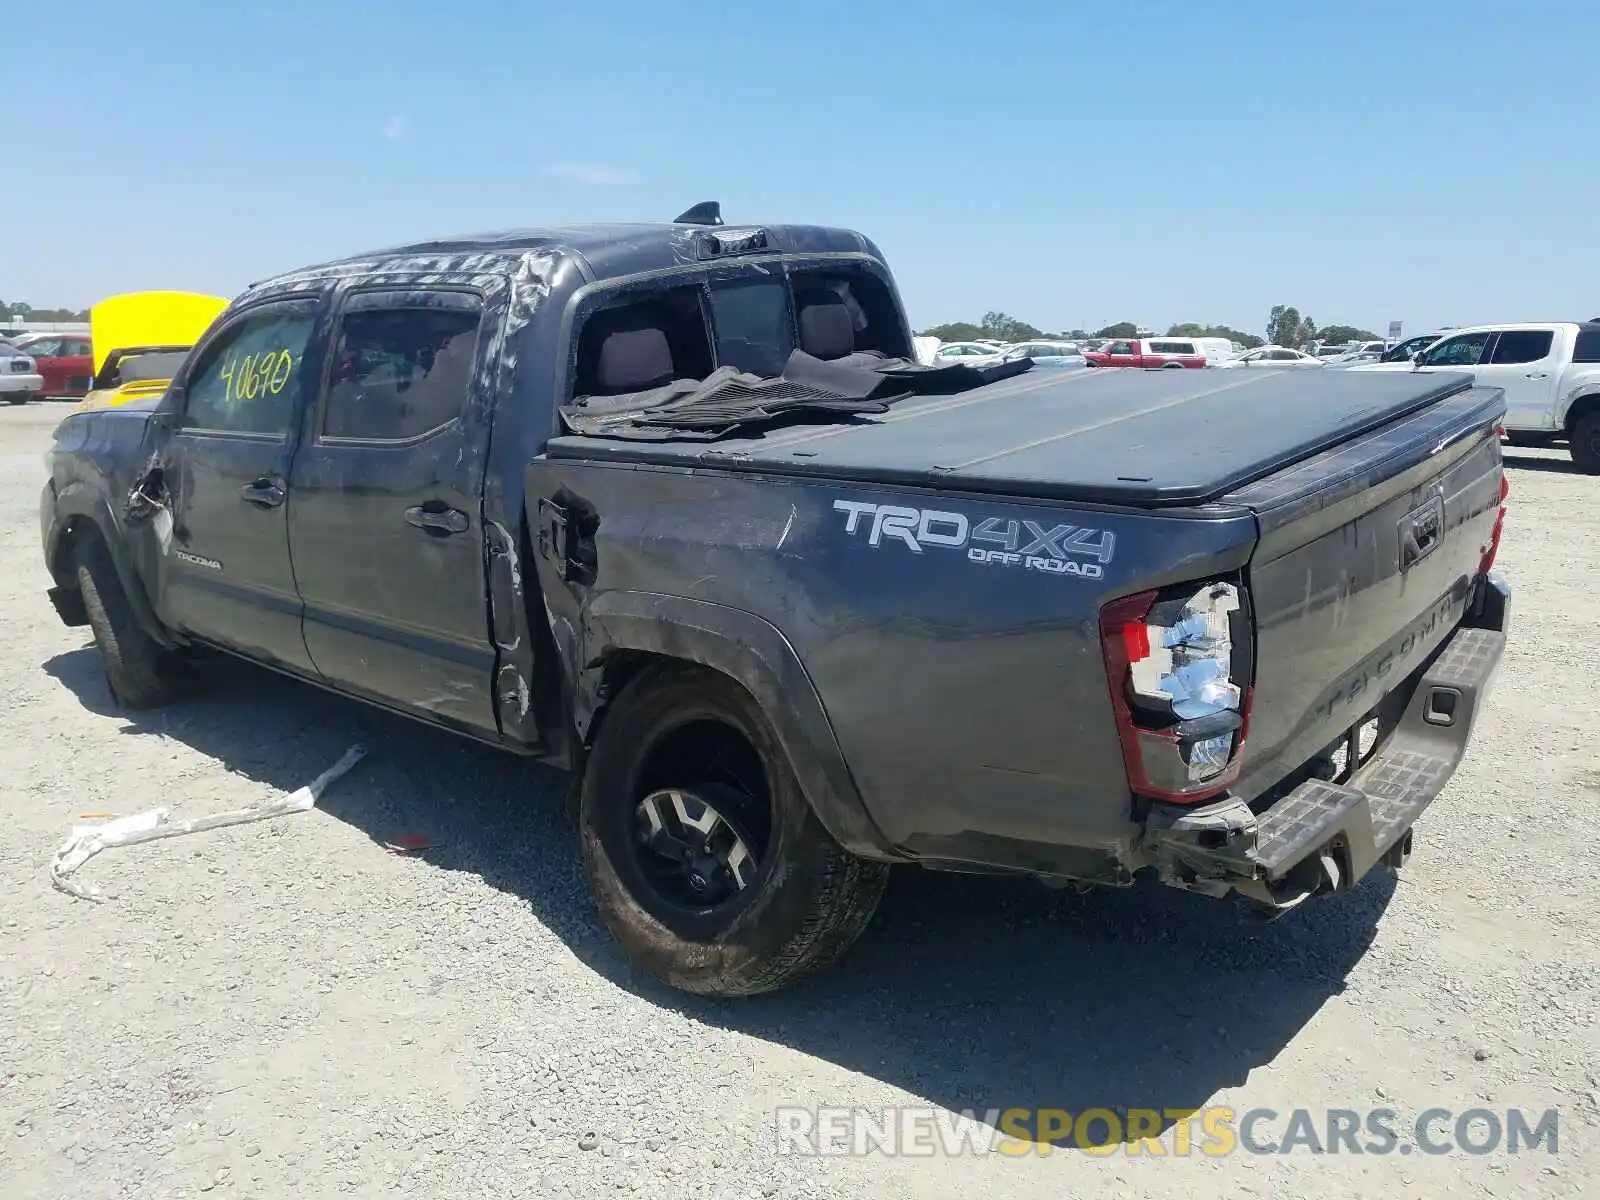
(1537, 375)
(439, 521)
(264, 493)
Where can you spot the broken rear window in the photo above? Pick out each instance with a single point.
(643, 341)
(753, 328)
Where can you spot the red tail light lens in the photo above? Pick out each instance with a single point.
(1487, 564)
(1178, 665)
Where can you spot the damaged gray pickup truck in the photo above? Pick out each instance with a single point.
(672, 507)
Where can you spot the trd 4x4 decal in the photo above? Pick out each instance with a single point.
(993, 541)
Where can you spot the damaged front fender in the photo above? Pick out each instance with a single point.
(80, 511)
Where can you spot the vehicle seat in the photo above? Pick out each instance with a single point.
(634, 360)
(827, 330)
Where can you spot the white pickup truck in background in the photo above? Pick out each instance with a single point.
(1550, 372)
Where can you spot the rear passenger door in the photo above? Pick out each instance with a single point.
(385, 515)
(1524, 363)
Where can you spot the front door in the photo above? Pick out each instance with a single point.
(77, 366)
(385, 514)
(224, 573)
(1123, 354)
(1524, 363)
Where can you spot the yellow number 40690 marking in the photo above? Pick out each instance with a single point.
(255, 375)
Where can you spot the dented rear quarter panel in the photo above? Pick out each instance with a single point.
(966, 700)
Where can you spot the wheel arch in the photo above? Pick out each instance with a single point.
(82, 512)
(1582, 405)
(628, 632)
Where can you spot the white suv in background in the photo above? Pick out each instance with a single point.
(1550, 372)
(20, 380)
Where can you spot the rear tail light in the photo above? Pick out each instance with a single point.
(1487, 564)
(1179, 665)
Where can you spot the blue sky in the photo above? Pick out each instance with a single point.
(1438, 164)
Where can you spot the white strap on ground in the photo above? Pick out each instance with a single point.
(88, 840)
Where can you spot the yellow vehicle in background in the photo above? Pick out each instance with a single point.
(140, 339)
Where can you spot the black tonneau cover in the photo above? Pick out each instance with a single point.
(1113, 435)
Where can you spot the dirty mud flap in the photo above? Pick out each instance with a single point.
(1325, 836)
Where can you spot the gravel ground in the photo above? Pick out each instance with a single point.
(286, 1009)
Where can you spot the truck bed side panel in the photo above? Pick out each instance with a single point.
(954, 687)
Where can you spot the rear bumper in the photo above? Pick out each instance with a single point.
(1324, 835)
(13, 386)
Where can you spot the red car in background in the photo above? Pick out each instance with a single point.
(1147, 353)
(66, 360)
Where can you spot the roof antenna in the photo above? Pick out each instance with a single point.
(707, 212)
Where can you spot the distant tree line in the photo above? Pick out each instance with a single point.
(16, 308)
(1285, 327)
(998, 326)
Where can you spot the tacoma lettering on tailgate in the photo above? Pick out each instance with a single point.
(991, 541)
(1401, 652)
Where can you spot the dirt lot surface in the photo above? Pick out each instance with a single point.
(288, 1010)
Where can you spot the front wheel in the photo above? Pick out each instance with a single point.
(1584, 443)
(702, 853)
(140, 672)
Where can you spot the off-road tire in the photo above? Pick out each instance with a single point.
(811, 899)
(140, 672)
(1584, 443)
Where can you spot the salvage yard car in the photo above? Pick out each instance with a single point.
(63, 359)
(20, 380)
(1549, 372)
(1149, 353)
(670, 506)
(1274, 357)
(140, 338)
(1047, 354)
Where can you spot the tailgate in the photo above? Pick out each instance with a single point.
(1366, 563)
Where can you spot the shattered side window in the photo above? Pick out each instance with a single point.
(398, 374)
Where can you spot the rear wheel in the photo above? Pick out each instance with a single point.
(703, 855)
(1584, 443)
(18, 398)
(140, 672)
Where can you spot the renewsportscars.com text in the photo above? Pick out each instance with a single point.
(1156, 1133)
